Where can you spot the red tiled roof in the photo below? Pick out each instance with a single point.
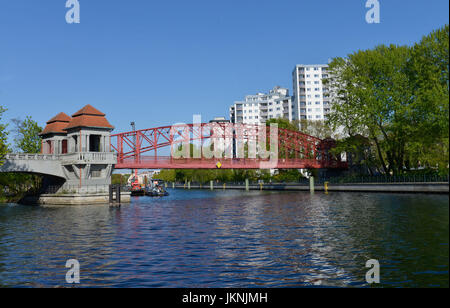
(88, 110)
(60, 117)
(89, 121)
(57, 124)
(88, 116)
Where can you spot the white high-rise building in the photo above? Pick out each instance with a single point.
(311, 97)
(261, 107)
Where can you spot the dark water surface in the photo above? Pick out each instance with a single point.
(231, 239)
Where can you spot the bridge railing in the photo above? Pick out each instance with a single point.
(89, 156)
(380, 179)
(84, 156)
(21, 156)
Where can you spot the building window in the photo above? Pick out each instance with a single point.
(94, 143)
(64, 149)
(96, 173)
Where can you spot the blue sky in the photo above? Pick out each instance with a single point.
(159, 62)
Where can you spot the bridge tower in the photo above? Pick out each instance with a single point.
(82, 144)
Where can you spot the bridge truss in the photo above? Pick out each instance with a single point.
(141, 149)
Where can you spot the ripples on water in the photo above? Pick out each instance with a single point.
(231, 239)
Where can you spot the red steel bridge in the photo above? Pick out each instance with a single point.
(140, 149)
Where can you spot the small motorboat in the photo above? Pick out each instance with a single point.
(157, 191)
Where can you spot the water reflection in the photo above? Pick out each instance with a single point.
(230, 239)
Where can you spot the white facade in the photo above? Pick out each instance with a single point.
(261, 107)
(311, 97)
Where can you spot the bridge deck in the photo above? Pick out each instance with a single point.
(163, 162)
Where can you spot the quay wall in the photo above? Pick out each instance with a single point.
(432, 188)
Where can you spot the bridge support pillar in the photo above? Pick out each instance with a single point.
(311, 184)
(247, 187)
(211, 185)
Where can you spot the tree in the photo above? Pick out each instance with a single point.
(3, 137)
(119, 179)
(375, 98)
(429, 71)
(167, 175)
(27, 137)
(319, 129)
(283, 124)
(397, 96)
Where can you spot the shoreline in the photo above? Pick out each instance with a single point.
(427, 188)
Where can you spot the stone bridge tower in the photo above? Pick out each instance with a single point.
(82, 144)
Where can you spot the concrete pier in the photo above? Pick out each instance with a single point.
(74, 199)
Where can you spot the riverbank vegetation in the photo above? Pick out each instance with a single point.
(13, 186)
(228, 175)
(396, 98)
(121, 179)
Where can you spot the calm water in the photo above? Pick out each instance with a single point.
(231, 239)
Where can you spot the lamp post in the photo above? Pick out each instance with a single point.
(133, 127)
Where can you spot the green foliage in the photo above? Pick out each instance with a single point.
(287, 176)
(27, 137)
(167, 175)
(283, 124)
(13, 186)
(119, 179)
(3, 136)
(319, 129)
(227, 175)
(397, 96)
